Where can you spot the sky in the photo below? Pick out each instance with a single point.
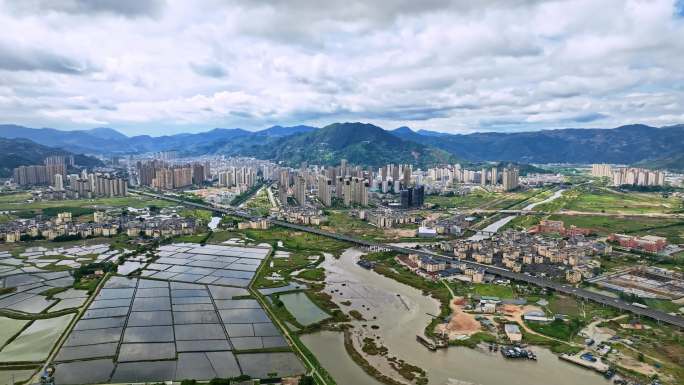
(166, 66)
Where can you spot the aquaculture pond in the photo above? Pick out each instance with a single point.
(301, 307)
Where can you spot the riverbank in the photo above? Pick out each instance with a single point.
(397, 312)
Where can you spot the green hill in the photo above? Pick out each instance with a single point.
(23, 152)
(359, 143)
(626, 144)
(673, 163)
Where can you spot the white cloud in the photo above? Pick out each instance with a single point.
(460, 66)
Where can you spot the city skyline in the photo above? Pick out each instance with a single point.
(443, 66)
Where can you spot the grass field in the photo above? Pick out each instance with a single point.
(603, 200)
(4, 218)
(557, 329)
(317, 274)
(569, 306)
(475, 199)
(259, 203)
(519, 199)
(672, 229)
(523, 222)
(12, 198)
(489, 200)
(203, 215)
(283, 266)
(663, 305)
(341, 222)
(17, 202)
(292, 240)
(491, 290)
(83, 209)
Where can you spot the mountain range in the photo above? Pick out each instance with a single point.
(626, 144)
(359, 143)
(371, 145)
(108, 140)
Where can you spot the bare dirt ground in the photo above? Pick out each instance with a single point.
(461, 323)
(639, 367)
(400, 233)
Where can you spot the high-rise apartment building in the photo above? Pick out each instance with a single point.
(300, 190)
(633, 176)
(510, 178)
(38, 175)
(162, 176)
(67, 160)
(602, 170)
(324, 190)
(343, 167)
(200, 173)
(406, 180)
(412, 197)
(59, 182)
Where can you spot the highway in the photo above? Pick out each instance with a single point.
(538, 281)
(574, 213)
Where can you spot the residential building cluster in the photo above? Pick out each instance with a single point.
(507, 178)
(85, 186)
(352, 190)
(453, 225)
(102, 225)
(542, 179)
(396, 185)
(620, 176)
(412, 197)
(520, 251)
(436, 268)
(241, 177)
(261, 224)
(38, 175)
(392, 177)
(546, 226)
(442, 179)
(385, 218)
(161, 175)
(571, 261)
(245, 166)
(344, 184)
(302, 215)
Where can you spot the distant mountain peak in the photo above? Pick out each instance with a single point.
(106, 133)
(219, 130)
(431, 133)
(403, 130)
(279, 131)
(360, 143)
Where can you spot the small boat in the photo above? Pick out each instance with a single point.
(426, 343)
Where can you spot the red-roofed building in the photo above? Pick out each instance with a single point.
(649, 243)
